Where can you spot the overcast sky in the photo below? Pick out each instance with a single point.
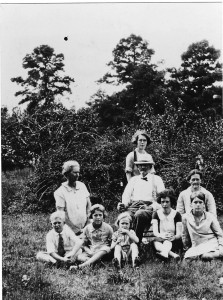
(93, 31)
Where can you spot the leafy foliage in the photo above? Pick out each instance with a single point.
(45, 78)
(128, 54)
(99, 136)
(195, 79)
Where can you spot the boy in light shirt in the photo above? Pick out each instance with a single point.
(63, 246)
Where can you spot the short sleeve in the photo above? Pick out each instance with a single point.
(177, 218)
(75, 239)
(159, 184)
(155, 216)
(114, 236)
(85, 190)
(50, 244)
(129, 162)
(85, 235)
(59, 198)
(110, 232)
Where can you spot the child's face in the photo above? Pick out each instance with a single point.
(97, 217)
(58, 224)
(124, 223)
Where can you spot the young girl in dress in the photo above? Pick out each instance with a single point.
(124, 241)
(96, 238)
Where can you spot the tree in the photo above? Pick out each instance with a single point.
(128, 54)
(194, 82)
(144, 84)
(45, 78)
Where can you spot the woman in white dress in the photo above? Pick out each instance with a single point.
(167, 226)
(202, 235)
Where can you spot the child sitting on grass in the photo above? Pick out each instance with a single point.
(63, 246)
(124, 241)
(96, 238)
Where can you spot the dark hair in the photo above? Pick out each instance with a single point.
(97, 207)
(167, 193)
(198, 195)
(193, 172)
(141, 132)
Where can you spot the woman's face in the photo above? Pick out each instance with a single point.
(165, 203)
(198, 205)
(141, 142)
(195, 181)
(73, 175)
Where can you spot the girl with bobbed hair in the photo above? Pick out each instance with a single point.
(96, 238)
(202, 235)
(141, 139)
(167, 226)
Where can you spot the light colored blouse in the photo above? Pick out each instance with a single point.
(184, 202)
(163, 224)
(131, 167)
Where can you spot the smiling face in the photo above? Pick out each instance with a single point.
(141, 142)
(195, 181)
(73, 175)
(97, 217)
(124, 223)
(57, 225)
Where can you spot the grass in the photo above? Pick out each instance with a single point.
(24, 235)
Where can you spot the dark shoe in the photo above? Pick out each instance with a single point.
(116, 263)
(136, 262)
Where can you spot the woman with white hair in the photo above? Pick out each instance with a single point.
(73, 197)
(141, 139)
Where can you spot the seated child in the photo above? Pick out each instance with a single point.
(124, 241)
(61, 242)
(96, 238)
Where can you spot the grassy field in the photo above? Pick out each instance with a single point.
(24, 278)
(24, 235)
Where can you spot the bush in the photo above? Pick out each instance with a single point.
(178, 137)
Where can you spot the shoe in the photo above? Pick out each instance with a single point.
(74, 268)
(176, 258)
(116, 263)
(136, 262)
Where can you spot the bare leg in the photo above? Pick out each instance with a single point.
(118, 254)
(93, 259)
(163, 248)
(45, 257)
(210, 255)
(135, 254)
(83, 257)
(134, 251)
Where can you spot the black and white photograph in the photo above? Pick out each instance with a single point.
(111, 150)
